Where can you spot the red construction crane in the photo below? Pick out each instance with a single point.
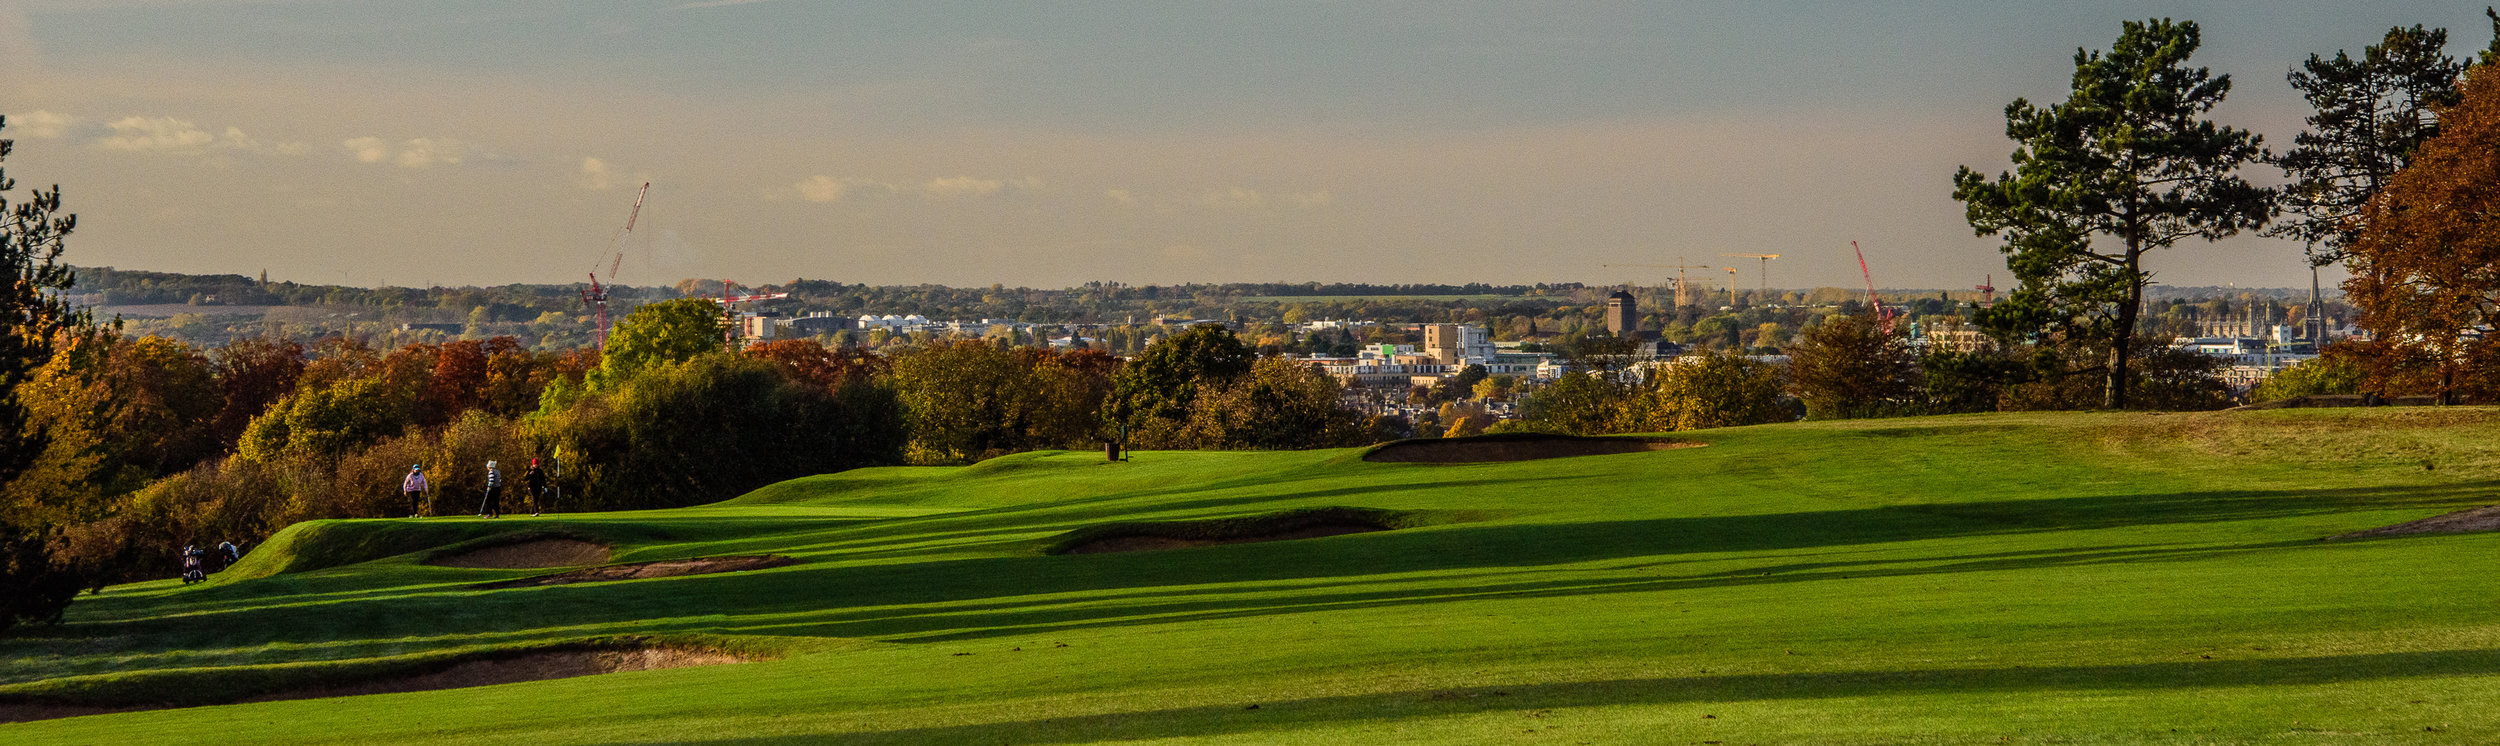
(1882, 315)
(596, 296)
(1987, 291)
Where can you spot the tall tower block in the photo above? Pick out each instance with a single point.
(1623, 315)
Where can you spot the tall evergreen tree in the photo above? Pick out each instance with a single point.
(2491, 53)
(30, 250)
(2372, 113)
(31, 232)
(2126, 165)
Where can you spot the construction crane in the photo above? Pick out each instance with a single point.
(595, 297)
(1987, 291)
(1683, 293)
(729, 310)
(1766, 268)
(1882, 315)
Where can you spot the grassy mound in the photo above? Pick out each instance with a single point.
(1291, 524)
(1500, 447)
(315, 545)
(2028, 578)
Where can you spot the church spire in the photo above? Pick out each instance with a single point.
(2314, 315)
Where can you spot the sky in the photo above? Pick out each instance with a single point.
(484, 142)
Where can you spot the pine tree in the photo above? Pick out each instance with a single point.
(2126, 165)
(31, 231)
(2371, 114)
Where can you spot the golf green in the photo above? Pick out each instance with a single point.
(2030, 578)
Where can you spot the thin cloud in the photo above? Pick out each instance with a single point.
(595, 175)
(1247, 198)
(155, 133)
(42, 125)
(824, 189)
(161, 135)
(962, 186)
(421, 152)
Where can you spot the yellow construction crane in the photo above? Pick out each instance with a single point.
(1766, 271)
(1683, 290)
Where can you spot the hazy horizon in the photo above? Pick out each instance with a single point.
(487, 143)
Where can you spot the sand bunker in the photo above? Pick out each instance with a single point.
(2486, 518)
(640, 570)
(1307, 523)
(500, 668)
(526, 555)
(1511, 447)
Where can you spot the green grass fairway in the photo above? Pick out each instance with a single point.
(2049, 578)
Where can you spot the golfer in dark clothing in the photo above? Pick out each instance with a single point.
(536, 482)
(492, 506)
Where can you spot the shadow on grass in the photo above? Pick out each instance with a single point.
(955, 622)
(964, 598)
(1042, 519)
(1236, 718)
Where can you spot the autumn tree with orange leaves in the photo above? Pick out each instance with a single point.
(2426, 268)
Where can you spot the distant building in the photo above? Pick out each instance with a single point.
(2227, 346)
(2248, 324)
(1623, 315)
(1372, 369)
(2250, 371)
(450, 328)
(1959, 340)
(1457, 344)
(759, 328)
(820, 322)
(910, 323)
